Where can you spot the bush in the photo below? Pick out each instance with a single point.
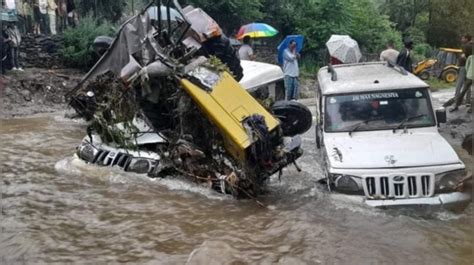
(78, 50)
(422, 51)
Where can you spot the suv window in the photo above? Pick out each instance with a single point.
(378, 110)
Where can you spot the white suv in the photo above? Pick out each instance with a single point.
(378, 133)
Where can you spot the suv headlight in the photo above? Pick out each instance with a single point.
(140, 165)
(346, 183)
(87, 152)
(449, 181)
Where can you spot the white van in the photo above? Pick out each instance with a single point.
(378, 133)
(263, 80)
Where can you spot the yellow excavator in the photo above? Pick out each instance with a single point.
(444, 66)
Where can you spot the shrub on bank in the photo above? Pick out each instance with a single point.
(78, 48)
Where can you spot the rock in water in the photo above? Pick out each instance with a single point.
(467, 143)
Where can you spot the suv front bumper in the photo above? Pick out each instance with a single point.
(446, 199)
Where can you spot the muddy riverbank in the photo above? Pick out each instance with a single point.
(35, 91)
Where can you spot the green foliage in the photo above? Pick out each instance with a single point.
(231, 14)
(437, 84)
(404, 13)
(110, 10)
(78, 50)
(321, 18)
(371, 29)
(449, 20)
(442, 22)
(422, 51)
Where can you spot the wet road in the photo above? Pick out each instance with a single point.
(57, 209)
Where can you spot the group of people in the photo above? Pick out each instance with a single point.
(33, 16)
(290, 65)
(465, 65)
(43, 16)
(402, 58)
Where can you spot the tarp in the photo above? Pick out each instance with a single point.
(8, 15)
(284, 44)
(135, 35)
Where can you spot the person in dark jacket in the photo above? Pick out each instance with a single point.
(404, 58)
(3, 51)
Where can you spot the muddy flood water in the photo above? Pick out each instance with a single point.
(57, 209)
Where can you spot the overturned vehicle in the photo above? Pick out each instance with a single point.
(164, 100)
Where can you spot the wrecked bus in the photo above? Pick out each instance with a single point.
(164, 100)
(377, 131)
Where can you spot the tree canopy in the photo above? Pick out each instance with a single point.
(435, 23)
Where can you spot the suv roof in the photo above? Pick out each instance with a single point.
(364, 77)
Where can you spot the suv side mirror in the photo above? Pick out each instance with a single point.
(441, 116)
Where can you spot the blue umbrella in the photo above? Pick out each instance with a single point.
(284, 44)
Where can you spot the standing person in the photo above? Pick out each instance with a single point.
(291, 71)
(467, 49)
(246, 51)
(4, 50)
(52, 7)
(70, 8)
(390, 54)
(14, 37)
(21, 15)
(62, 13)
(465, 39)
(36, 17)
(334, 61)
(43, 8)
(404, 57)
(28, 11)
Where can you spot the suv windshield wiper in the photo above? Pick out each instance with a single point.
(407, 120)
(358, 125)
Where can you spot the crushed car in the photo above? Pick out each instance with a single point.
(378, 134)
(164, 100)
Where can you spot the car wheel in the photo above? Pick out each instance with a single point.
(425, 75)
(450, 75)
(295, 117)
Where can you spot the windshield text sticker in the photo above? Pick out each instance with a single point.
(375, 96)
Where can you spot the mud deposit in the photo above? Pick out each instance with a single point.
(57, 209)
(35, 91)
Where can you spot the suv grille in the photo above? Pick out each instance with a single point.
(399, 186)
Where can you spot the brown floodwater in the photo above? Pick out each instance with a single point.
(55, 208)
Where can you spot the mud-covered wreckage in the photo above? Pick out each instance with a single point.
(164, 100)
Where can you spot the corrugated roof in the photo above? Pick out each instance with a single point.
(364, 77)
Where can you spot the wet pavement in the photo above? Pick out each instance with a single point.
(55, 208)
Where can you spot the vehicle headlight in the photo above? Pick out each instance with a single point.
(139, 165)
(449, 181)
(346, 183)
(87, 152)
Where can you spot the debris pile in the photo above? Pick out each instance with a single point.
(164, 100)
(40, 51)
(36, 91)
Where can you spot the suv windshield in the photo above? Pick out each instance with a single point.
(378, 110)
